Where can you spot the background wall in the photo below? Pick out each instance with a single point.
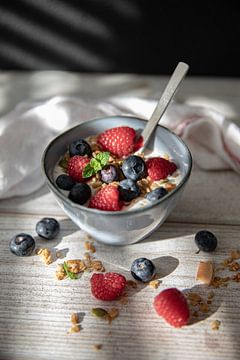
(137, 36)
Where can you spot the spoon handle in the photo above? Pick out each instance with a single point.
(175, 80)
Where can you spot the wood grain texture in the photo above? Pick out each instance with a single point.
(35, 308)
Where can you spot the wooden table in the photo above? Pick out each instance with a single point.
(35, 308)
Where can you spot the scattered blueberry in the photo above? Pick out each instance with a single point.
(48, 228)
(64, 182)
(109, 174)
(206, 241)
(80, 147)
(128, 190)
(134, 168)
(156, 194)
(22, 244)
(80, 193)
(143, 269)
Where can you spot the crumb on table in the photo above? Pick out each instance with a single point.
(46, 255)
(215, 324)
(97, 347)
(154, 284)
(75, 329)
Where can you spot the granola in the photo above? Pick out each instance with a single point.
(215, 324)
(46, 255)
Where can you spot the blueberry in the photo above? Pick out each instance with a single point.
(206, 241)
(48, 228)
(143, 269)
(156, 194)
(128, 190)
(80, 193)
(64, 182)
(134, 168)
(22, 244)
(80, 147)
(109, 174)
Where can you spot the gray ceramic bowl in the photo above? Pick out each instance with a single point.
(124, 227)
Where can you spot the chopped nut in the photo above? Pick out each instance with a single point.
(236, 277)
(75, 329)
(96, 184)
(166, 156)
(89, 246)
(144, 185)
(60, 272)
(113, 314)
(74, 318)
(234, 266)
(195, 314)
(211, 295)
(76, 266)
(97, 347)
(194, 299)
(154, 284)
(169, 186)
(218, 281)
(205, 272)
(98, 266)
(124, 299)
(235, 254)
(45, 254)
(204, 308)
(215, 324)
(132, 284)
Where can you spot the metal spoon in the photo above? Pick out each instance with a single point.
(175, 80)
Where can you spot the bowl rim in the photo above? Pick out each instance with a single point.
(128, 212)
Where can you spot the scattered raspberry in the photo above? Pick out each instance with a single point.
(120, 141)
(76, 164)
(172, 306)
(159, 168)
(106, 199)
(107, 286)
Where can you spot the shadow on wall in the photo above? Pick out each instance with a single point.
(127, 36)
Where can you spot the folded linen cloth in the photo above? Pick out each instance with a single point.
(213, 140)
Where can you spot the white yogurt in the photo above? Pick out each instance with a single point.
(139, 202)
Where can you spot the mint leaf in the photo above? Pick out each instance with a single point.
(96, 164)
(70, 274)
(88, 171)
(103, 157)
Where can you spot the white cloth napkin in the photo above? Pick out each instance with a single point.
(24, 133)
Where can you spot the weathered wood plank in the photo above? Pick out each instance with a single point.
(35, 308)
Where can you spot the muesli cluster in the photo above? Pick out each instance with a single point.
(102, 172)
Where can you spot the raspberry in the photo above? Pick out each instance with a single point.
(106, 199)
(120, 141)
(76, 164)
(159, 168)
(172, 306)
(107, 286)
